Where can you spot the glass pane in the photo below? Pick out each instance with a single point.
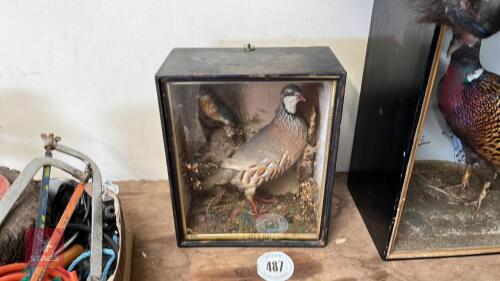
(448, 205)
(251, 156)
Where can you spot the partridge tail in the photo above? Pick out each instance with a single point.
(221, 177)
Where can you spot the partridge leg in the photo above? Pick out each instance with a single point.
(466, 178)
(484, 192)
(249, 193)
(254, 207)
(236, 212)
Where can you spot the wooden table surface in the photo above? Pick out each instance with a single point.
(350, 254)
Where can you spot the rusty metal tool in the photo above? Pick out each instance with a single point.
(48, 253)
(38, 240)
(91, 171)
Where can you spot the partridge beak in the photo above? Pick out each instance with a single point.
(302, 98)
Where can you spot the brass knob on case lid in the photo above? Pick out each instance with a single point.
(248, 47)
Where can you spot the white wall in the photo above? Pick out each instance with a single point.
(85, 69)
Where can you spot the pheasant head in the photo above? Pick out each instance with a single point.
(471, 20)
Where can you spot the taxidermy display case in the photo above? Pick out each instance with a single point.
(251, 139)
(427, 144)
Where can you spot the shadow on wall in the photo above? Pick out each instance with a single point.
(130, 147)
(22, 112)
(351, 54)
(135, 147)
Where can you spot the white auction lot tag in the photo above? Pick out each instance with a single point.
(275, 266)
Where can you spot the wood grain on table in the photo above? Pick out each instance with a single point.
(350, 254)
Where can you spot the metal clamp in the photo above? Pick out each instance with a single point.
(50, 141)
(91, 172)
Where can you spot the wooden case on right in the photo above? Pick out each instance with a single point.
(407, 164)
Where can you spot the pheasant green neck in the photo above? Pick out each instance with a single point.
(466, 61)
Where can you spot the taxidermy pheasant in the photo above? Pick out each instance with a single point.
(213, 114)
(270, 152)
(471, 20)
(469, 99)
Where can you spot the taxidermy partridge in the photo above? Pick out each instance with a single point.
(471, 20)
(270, 152)
(469, 99)
(213, 114)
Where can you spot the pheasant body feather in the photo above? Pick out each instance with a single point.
(471, 105)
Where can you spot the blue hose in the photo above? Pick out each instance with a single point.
(78, 260)
(110, 253)
(115, 239)
(86, 255)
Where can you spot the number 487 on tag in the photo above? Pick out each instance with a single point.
(274, 266)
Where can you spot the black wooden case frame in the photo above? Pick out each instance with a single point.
(400, 73)
(308, 64)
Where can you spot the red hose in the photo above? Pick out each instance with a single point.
(61, 272)
(73, 276)
(15, 272)
(17, 276)
(4, 269)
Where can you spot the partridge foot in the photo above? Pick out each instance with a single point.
(235, 213)
(254, 207)
(237, 210)
(267, 199)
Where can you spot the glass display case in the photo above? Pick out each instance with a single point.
(426, 182)
(251, 138)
